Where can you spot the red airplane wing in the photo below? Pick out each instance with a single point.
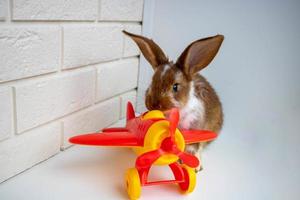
(115, 129)
(194, 136)
(122, 138)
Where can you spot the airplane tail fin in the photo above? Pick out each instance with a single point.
(130, 111)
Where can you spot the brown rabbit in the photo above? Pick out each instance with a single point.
(180, 85)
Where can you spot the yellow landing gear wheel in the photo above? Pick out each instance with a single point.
(133, 183)
(189, 184)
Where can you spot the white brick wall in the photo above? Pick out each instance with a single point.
(24, 151)
(3, 6)
(40, 101)
(130, 48)
(129, 96)
(91, 44)
(91, 120)
(28, 51)
(59, 62)
(111, 77)
(55, 10)
(6, 115)
(121, 10)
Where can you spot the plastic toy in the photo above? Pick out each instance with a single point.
(156, 140)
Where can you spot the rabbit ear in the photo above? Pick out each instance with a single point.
(150, 50)
(199, 54)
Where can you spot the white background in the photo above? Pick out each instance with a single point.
(257, 75)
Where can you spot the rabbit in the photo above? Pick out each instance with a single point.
(180, 85)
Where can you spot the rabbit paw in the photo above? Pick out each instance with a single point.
(200, 167)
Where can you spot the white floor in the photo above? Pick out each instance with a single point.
(231, 171)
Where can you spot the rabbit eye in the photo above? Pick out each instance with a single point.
(175, 87)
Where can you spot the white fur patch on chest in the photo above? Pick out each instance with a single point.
(192, 112)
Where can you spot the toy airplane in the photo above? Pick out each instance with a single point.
(156, 140)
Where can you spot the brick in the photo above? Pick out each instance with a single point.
(85, 45)
(28, 51)
(6, 113)
(121, 10)
(124, 98)
(119, 123)
(23, 151)
(3, 9)
(91, 120)
(43, 100)
(55, 10)
(140, 99)
(116, 77)
(130, 48)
